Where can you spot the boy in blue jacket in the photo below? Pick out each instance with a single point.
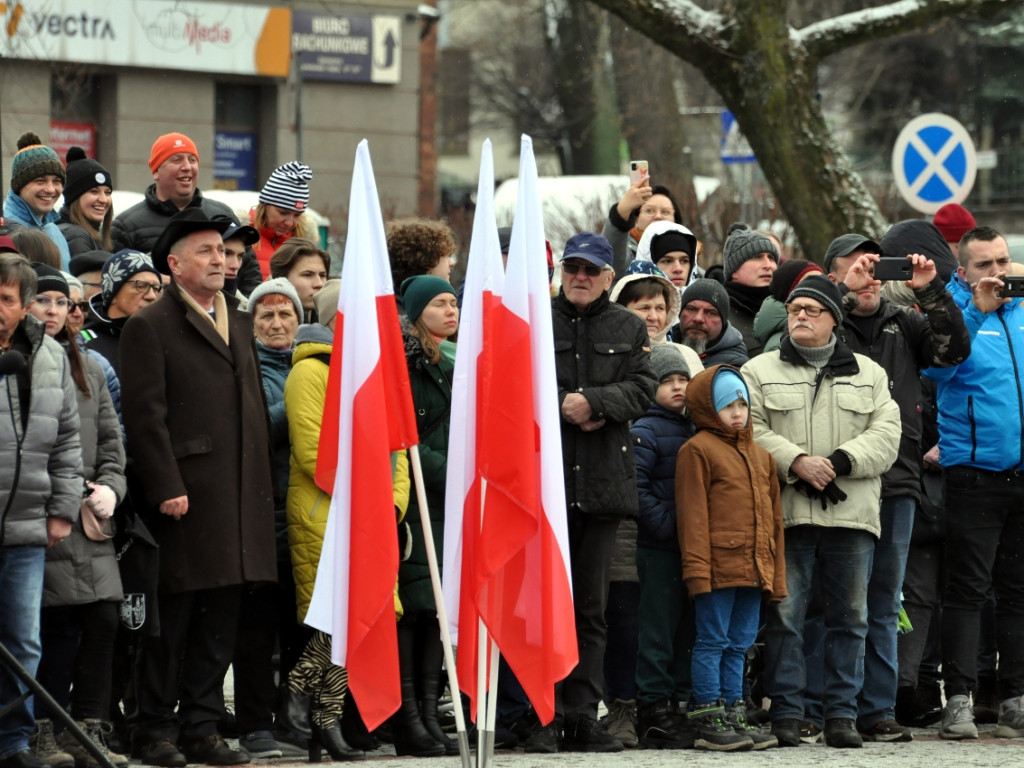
(665, 613)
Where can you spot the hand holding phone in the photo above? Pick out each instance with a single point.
(894, 268)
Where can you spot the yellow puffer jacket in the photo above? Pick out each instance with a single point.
(304, 394)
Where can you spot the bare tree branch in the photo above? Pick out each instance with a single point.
(678, 25)
(829, 36)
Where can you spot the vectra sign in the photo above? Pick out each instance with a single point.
(196, 36)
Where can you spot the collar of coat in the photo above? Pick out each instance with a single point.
(842, 362)
(596, 307)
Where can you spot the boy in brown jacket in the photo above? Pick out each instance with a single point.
(731, 536)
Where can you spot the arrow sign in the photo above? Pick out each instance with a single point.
(735, 147)
(934, 162)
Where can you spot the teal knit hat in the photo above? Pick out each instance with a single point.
(32, 161)
(419, 291)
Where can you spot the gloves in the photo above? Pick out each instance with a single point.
(101, 501)
(840, 463)
(807, 489)
(833, 493)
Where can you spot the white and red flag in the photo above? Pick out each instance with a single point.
(522, 586)
(368, 414)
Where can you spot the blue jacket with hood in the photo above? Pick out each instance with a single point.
(981, 401)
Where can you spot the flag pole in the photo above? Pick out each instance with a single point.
(483, 754)
(442, 614)
(492, 701)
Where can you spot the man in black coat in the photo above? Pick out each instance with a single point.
(198, 433)
(605, 379)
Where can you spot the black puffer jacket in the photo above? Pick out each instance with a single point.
(78, 237)
(139, 226)
(604, 354)
(903, 342)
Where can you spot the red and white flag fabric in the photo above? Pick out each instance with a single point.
(368, 389)
(522, 587)
(484, 279)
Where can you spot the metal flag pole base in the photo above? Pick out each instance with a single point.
(55, 709)
(464, 748)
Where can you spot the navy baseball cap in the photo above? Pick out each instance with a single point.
(589, 247)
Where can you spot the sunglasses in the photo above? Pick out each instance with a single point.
(589, 269)
(81, 306)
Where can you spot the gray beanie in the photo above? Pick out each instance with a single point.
(742, 244)
(821, 289)
(666, 360)
(275, 285)
(711, 291)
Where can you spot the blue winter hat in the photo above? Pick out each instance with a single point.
(119, 269)
(589, 247)
(727, 387)
(643, 267)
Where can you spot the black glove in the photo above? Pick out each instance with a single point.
(833, 493)
(840, 463)
(807, 489)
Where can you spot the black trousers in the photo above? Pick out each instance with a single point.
(186, 665)
(591, 541)
(985, 527)
(78, 649)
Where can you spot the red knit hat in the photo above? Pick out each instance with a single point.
(952, 220)
(170, 144)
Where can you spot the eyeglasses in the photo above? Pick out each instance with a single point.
(571, 269)
(796, 309)
(141, 286)
(78, 306)
(667, 213)
(46, 302)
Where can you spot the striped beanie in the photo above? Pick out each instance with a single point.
(33, 160)
(288, 187)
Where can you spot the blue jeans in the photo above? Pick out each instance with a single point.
(881, 673)
(21, 601)
(727, 622)
(837, 563)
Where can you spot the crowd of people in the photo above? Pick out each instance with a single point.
(762, 462)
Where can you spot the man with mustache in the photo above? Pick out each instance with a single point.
(827, 418)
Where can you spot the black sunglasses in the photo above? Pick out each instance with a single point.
(82, 306)
(589, 269)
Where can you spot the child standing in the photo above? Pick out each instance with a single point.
(664, 615)
(731, 537)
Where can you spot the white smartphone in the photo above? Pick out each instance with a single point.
(637, 170)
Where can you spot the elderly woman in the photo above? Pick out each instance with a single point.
(82, 587)
(281, 211)
(305, 265)
(276, 312)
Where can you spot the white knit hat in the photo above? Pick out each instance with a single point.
(288, 186)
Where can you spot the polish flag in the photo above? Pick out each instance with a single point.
(368, 389)
(484, 278)
(523, 589)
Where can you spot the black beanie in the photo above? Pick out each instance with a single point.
(83, 174)
(920, 236)
(711, 291)
(672, 240)
(50, 279)
(822, 290)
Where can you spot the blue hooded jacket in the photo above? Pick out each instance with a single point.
(17, 210)
(981, 401)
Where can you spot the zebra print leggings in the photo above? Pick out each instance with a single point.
(315, 674)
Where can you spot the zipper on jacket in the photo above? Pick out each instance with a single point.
(974, 433)
(1020, 396)
(19, 437)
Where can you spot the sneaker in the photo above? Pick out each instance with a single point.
(958, 719)
(714, 731)
(261, 744)
(545, 739)
(213, 750)
(162, 753)
(886, 730)
(787, 731)
(1011, 718)
(44, 746)
(736, 715)
(620, 721)
(841, 733)
(96, 730)
(585, 734)
(809, 732)
(659, 727)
